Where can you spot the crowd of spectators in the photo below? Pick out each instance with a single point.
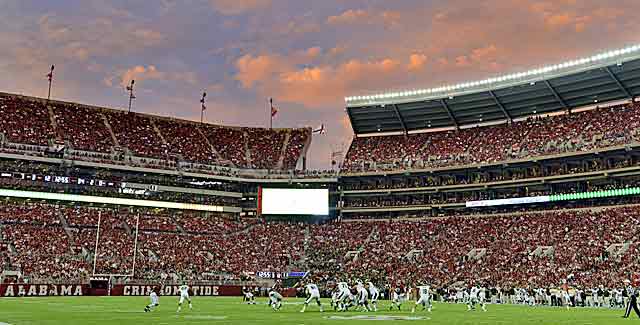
(83, 128)
(185, 139)
(206, 225)
(229, 143)
(595, 245)
(298, 139)
(25, 121)
(265, 147)
(137, 133)
(436, 250)
(535, 136)
(96, 131)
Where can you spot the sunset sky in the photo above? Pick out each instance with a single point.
(306, 54)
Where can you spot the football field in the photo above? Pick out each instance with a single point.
(230, 310)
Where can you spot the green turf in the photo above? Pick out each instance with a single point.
(129, 310)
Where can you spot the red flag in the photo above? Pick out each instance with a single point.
(320, 130)
(274, 111)
(50, 74)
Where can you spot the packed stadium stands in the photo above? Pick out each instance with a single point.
(97, 133)
(533, 137)
(83, 128)
(15, 111)
(596, 245)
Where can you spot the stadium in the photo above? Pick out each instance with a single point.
(508, 200)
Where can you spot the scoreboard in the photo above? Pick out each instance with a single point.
(291, 201)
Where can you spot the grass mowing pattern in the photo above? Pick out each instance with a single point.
(230, 310)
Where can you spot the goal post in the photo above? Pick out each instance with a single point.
(96, 272)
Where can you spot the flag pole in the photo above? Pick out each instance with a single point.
(131, 96)
(202, 107)
(50, 76)
(270, 113)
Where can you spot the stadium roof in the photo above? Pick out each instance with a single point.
(605, 77)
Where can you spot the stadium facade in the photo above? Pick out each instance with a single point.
(115, 193)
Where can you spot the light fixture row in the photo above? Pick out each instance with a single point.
(489, 81)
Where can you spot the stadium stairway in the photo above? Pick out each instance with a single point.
(307, 240)
(247, 152)
(155, 128)
(243, 231)
(113, 135)
(127, 229)
(54, 124)
(66, 227)
(373, 234)
(283, 150)
(178, 225)
(213, 149)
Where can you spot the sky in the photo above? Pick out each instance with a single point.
(307, 55)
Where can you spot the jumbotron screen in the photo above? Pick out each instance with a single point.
(289, 201)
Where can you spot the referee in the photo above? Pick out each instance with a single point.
(633, 302)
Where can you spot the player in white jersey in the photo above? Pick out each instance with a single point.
(566, 298)
(184, 295)
(595, 297)
(335, 295)
(275, 299)
(155, 302)
(474, 298)
(396, 299)
(578, 297)
(362, 296)
(313, 293)
(345, 298)
(482, 297)
(618, 298)
(424, 294)
(249, 297)
(374, 294)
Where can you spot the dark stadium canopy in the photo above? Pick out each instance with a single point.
(614, 79)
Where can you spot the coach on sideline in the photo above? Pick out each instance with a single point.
(633, 300)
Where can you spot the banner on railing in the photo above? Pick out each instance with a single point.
(172, 290)
(43, 290)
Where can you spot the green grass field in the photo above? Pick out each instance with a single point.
(129, 310)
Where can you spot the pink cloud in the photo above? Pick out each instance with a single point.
(253, 69)
(416, 62)
(350, 16)
(140, 73)
(236, 7)
(313, 86)
(313, 52)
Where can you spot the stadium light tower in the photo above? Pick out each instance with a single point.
(50, 78)
(131, 95)
(203, 107)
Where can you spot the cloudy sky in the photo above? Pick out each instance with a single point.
(308, 55)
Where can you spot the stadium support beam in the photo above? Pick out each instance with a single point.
(453, 118)
(620, 85)
(404, 126)
(499, 103)
(557, 96)
(353, 127)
